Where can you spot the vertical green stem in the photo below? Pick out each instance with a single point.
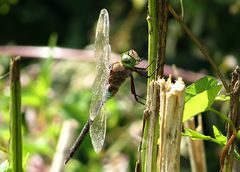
(152, 36)
(148, 152)
(16, 117)
(156, 53)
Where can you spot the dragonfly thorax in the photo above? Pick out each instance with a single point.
(130, 58)
(118, 74)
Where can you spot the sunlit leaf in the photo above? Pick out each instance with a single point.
(199, 86)
(195, 135)
(200, 96)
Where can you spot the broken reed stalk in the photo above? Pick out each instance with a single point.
(161, 148)
(170, 121)
(146, 156)
(15, 116)
(151, 131)
(157, 33)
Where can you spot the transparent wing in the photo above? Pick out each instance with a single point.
(98, 130)
(99, 88)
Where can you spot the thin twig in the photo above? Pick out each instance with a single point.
(200, 46)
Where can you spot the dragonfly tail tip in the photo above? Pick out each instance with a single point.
(66, 161)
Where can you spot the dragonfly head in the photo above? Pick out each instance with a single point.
(130, 58)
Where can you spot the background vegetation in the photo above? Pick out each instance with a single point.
(54, 91)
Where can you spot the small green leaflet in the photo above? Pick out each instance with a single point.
(219, 137)
(195, 135)
(200, 96)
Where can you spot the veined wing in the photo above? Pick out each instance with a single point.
(99, 88)
(98, 130)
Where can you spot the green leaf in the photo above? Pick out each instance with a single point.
(199, 86)
(219, 136)
(195, 135)
(200, 96)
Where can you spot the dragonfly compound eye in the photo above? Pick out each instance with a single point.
(128, 60)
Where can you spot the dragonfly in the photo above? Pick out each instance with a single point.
(106, 84)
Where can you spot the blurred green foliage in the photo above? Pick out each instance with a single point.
(54, 91)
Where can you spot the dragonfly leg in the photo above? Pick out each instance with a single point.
(143, 72)
(134, 91)
(145, 68)
(79, 141)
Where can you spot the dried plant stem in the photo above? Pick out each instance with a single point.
(66, 138)
(170, 117)
(152, 132)
(161, 148)
(162, 34)
(196, 147)
(227, 159)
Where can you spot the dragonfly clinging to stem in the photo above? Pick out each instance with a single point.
(106, 84)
